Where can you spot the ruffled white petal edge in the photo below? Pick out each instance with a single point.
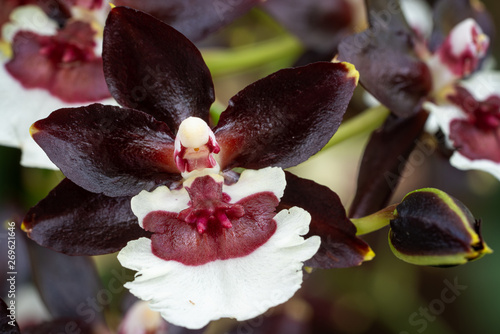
(461, 162)
(19, 109)
(270, 179)
(240, 288)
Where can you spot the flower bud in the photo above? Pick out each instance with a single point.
(432, 228)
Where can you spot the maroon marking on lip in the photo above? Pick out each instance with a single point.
(177, 236)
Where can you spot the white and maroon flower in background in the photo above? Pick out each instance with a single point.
(202, 224)
(403, 65)
(470, 119)
(49, 62)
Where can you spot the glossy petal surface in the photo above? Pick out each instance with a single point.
(107, 149)
(240, 288)
(340, 247)
(384, 161)
(285, 118)
(195, 19)
(385, 58)
(151, 67)
(74, 221)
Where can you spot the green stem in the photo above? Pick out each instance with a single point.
(242, 58)
(215, 110)
(366, 122)
(375, 221)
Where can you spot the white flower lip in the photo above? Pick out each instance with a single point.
(241, 287)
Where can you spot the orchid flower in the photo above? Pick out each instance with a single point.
(45, 67)
(410, 72)
(206, 240)
(469, 117)
(404, 67)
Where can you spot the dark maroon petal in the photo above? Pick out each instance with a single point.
(65, 64)
(475, 143)
(179, 238)
(8, 324)
(152, 67)
(74, 221)
(384, 162)
(285, 118)
(448, 13)
(320, 24)
(384, 54)
(107, 149)
(65, 284)
(340, 248)
(195, 19)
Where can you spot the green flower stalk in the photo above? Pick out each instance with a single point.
(432, 228)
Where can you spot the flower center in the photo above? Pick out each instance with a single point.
(195, 146)
(209, 206)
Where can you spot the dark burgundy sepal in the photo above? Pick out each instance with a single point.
(65, 283)
(320, 24)
(74, 221)
(195, 19)
(384, 161)
(107, 149)
(285, 118)
(150, 66)
(340, 248)
(8, 323)
(385, 58)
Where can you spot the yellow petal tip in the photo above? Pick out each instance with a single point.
(352, 72)
(33, 130)
(369, 255)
